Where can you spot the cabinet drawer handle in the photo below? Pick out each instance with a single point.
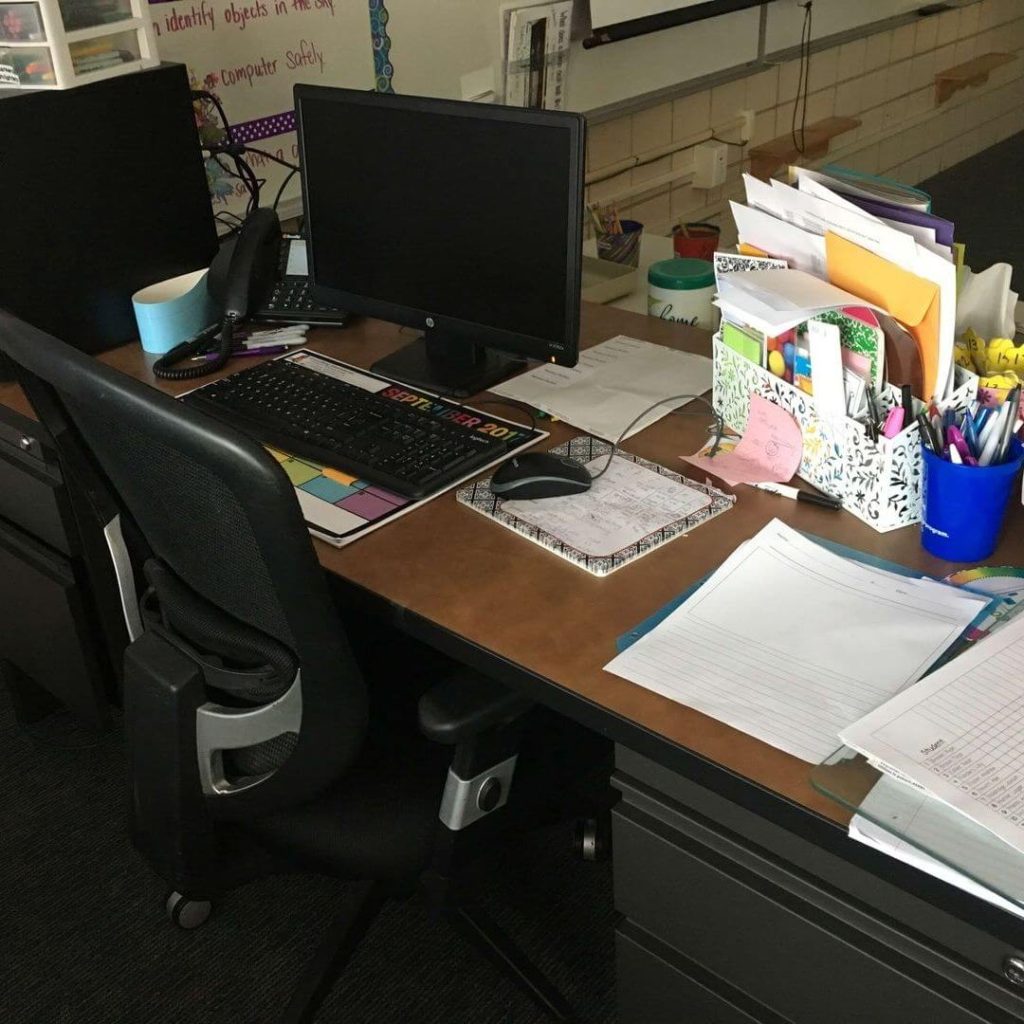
(1013, 969)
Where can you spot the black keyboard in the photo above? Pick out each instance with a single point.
(405, 440)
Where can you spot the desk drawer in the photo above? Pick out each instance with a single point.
(764, 939)
(655, 986)
(30, 481)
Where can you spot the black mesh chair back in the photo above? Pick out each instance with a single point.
(231, 569)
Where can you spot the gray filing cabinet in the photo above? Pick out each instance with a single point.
(60, 638)
(729, 918)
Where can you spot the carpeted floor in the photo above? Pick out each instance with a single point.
(982, 196)
(86, 940)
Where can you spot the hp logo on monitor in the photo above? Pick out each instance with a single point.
(430, 321)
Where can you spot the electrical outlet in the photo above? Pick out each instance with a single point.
(709, 162)
(747, 130)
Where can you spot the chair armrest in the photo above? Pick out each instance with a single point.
(466, 704)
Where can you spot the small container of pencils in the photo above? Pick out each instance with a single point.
(967, 484)
(618, 241)
(695, 241)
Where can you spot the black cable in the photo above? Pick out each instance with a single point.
(719, 428)
(164, 366)
(739, 145)
(803, 80)
(284, 184)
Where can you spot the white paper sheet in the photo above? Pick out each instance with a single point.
(800, 249)
(932, 837)
(960, 733)
(611, 385)
(626, 504)
(789, 642)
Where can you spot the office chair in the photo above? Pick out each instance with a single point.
(252, 743)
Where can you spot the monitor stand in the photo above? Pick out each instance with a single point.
(447, 366)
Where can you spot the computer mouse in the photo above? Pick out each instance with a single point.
(540, 475)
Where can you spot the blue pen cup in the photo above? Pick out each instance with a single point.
(964, 506)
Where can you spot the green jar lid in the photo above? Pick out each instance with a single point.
(681, 273)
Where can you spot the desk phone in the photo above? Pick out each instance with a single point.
(289, 300)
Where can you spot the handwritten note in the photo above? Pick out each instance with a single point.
(770, 450)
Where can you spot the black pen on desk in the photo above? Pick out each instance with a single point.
(795, 494)
(927, 434)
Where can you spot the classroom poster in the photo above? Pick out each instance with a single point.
(250, 53)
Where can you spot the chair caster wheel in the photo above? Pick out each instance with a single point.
(593, 838)
(186, 913)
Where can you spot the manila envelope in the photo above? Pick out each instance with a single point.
(912, 300)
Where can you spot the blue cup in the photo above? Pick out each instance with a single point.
(964, 506)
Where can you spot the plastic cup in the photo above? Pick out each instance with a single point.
(624, 248)
(699, 242)
(964, 506)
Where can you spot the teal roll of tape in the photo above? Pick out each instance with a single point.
(173, 311)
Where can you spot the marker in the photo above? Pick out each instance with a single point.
(893, 422)
(908, 403)
(795, 494)
(928, 438)
(959, 447)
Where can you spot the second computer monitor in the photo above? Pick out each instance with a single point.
(462, 219)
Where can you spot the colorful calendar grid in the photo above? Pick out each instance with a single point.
(335, 502)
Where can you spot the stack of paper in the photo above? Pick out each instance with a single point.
(959, 734)
(893, 262)
(929, 835)
(791, 643)
(609, 389)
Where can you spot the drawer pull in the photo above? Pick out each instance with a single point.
(1013, 969)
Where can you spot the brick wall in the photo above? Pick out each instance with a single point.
(886, 79)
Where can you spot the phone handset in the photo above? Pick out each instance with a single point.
(240, 276)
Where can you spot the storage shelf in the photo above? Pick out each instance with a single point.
(110, 28)
(971, 72)
(767, 158)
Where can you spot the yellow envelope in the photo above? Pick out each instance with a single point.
(912, 300)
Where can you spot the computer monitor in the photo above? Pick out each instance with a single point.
(464, 219)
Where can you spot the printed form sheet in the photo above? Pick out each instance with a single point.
(791, 643)
(960, 733)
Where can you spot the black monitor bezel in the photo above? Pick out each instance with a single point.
(564, 351)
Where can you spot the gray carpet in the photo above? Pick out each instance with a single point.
(86, 940)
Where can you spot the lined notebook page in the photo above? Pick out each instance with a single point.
(791, 643)
(960, 733)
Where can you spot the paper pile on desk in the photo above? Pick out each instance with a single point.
(611, 385)
(791, 643)
(887, 262)
(959, 734)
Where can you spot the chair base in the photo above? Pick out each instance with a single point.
(343, 937)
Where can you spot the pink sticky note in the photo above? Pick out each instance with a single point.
(769, 451)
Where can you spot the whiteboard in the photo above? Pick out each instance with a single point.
(435, 44)
(611, 12)
(829, 17)
(250, 53)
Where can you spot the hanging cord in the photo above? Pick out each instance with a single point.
(235, 151)
(803, 81)
(719, 427)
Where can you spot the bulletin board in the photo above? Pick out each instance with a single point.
(249, 53)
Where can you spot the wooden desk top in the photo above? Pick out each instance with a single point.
(468, 575)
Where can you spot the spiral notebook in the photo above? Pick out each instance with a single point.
(634, 508)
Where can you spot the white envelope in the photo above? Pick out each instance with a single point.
(799, 248)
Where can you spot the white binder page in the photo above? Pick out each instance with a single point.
(791, 643)
(960, 733)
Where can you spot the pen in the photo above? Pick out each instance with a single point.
(872, 414)
(1013, 399)
(908, 403)
(795, 494)
(927, 434)
(958, 445)
(269, 350)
